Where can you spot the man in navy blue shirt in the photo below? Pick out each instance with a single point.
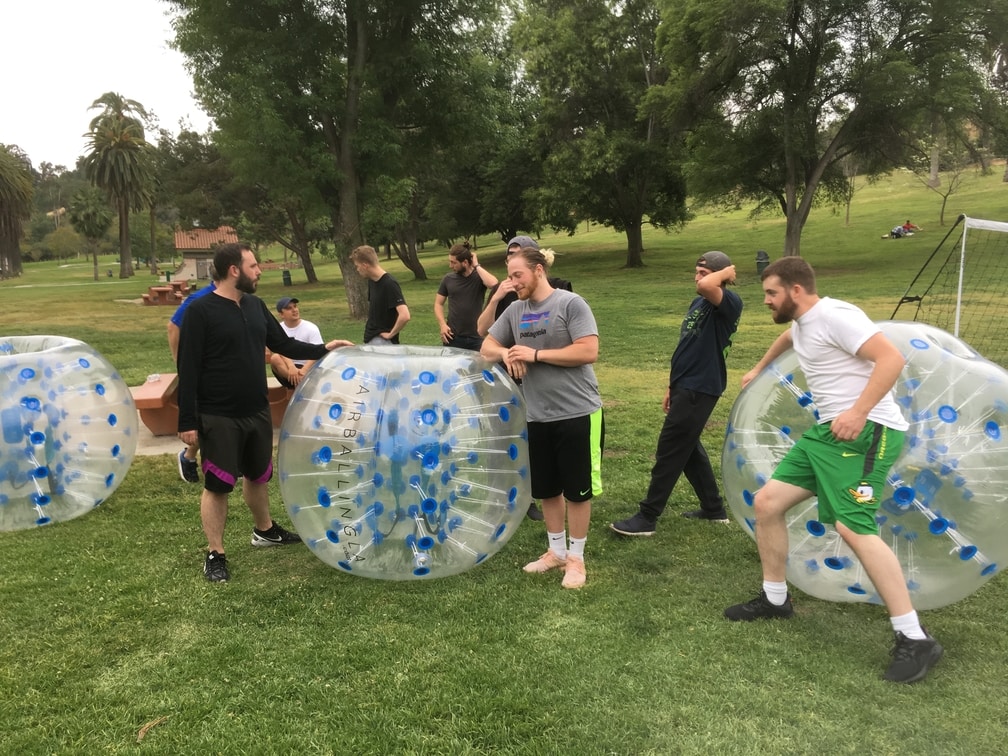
(697, 379)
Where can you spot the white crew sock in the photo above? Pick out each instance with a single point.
(776, 593)
(909, 625)
(558, 543)
(577, 547)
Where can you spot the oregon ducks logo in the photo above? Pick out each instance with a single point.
(863, 494)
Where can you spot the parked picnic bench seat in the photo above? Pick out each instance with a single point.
(157, 403)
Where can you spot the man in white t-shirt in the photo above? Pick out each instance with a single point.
(851, 368)
(290, 372)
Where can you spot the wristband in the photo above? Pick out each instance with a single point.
(535, 356)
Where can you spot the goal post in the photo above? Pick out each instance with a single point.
(962, 287)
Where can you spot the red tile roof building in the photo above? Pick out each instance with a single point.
(197, 245)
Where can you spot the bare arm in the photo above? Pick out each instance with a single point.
(173, 338)
(781, 344)
(710, 287)
(489, 279)
(583, 351)
(446, 332)
(889, 364)
(487, 317)
(402, 318)
(494, 351)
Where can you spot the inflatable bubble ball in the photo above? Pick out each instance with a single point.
(945, 510)
(68, 427)
(404, 462)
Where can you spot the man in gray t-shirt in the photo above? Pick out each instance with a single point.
(548, 338)
(463, 289)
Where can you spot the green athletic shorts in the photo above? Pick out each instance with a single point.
(847, 476)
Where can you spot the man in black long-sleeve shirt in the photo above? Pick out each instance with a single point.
(223, 399)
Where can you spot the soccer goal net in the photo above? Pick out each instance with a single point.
(962, 288)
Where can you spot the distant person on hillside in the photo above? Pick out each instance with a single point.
(463, 290)
(291, 372)
(906, 229)
(387, 310)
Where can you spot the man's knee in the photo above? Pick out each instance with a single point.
(776, 498)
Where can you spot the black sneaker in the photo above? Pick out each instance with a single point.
(188, 469)
(638, 525)
(534, 513)
(215, 568)
(703, 514)
(760, 608)
(275, 536)
(911, 659)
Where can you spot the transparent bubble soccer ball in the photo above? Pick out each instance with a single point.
(68, 430)
(945, 509)
(405, 462)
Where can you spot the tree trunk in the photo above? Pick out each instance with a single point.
(355, 286)
(153, 261)
(302, 245)
(635, 244)
(10, 255)
(125, 253)
(346, 220)
(792, 235)
(94, 258)
(406, 250)
(934, 176)
(1005, 177)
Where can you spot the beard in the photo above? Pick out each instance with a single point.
(246, 284)
(784, 313)
(529, 290)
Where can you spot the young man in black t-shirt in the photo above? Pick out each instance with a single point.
(697, 379)
(387, 310)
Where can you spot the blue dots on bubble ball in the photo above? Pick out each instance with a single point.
(945, 509)
(68, 430)
(404, 462)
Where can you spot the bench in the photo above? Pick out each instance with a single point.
(279, 397)
(162, 295)
(157, 403)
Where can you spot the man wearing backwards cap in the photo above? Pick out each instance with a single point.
(697, 379)
(290, 372)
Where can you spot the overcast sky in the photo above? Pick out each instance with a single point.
(59, 56)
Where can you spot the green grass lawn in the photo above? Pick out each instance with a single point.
(110, 631)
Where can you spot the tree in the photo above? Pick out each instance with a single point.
(16, 195)
(91, 216)
(315, 102)
(119, 162)
(593, 63)
(944, 169)
(776, 94)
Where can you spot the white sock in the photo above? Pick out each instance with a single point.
(776, 593)
(577, 547)
(909, 625)
(558, 543)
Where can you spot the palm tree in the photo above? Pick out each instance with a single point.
(16, 192)
(91, 217)
(120, 163)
